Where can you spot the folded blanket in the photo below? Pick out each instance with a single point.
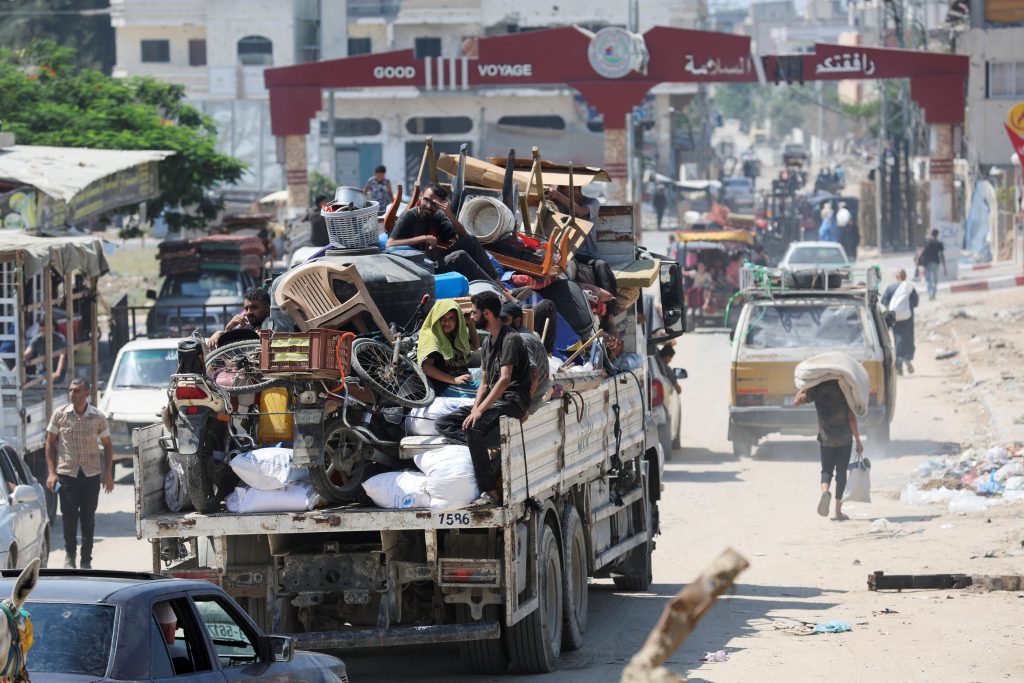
(836, 365)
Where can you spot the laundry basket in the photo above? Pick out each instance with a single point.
(355, 229)
(487, 218)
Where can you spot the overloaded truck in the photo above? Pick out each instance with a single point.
(580, 482)
(48, 335)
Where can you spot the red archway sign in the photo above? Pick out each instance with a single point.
(570, 56)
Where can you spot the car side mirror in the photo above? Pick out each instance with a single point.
(23, 493)
(280, 648)
(680, 373)
(151, 294)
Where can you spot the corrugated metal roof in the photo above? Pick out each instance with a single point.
(63, 172)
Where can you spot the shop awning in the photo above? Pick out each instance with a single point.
(45, 187)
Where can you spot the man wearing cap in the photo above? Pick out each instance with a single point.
(540, 377)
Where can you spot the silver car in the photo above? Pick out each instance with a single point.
(24, 524)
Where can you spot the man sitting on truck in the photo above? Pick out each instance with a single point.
(504, 390)
(432, 223)
(540, 376)
(255, 311)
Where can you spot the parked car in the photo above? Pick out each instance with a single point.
(24, 523)
(102, 626)
(794, 154)
(811, 255)
(137, 389)
(203, 300)
(738, 193)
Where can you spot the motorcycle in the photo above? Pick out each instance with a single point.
(202, 429)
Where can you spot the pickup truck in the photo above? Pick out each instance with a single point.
(580, 483)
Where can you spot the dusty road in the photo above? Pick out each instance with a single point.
(803, 567)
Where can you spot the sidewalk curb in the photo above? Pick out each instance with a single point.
(1002, 282)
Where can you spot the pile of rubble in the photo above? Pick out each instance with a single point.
(970, 481)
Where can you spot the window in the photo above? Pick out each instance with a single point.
(596, 126)
(1005, 80)
(232, 640)
(354, 128)
(545, 122)
(197, 53)
(145, 368)
(86, 634)
(255, 51)
(428, 47)
(439, 125)
(359, 46)
(202, 285)
(187, 651)
(16, 466)
(156, 51)
(806, 327)
(159, 657)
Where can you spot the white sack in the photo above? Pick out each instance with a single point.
(266, 469)
(398, 490)
(422, 421)
(292, 498)
(451, 481)
(836, 365)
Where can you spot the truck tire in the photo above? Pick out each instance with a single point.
(535, 643)
(742, 445)
(200, 483)
(483, 656)
(575, 602)
(640, 575)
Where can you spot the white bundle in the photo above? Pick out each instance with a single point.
(291, 498)
(398, 490)
(423, 421)
(836, 365)
(266, 469)
(451, 480)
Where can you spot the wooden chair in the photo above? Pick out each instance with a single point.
(306, 294)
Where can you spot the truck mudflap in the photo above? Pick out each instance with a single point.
(410, 635)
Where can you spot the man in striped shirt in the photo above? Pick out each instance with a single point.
(75, 467)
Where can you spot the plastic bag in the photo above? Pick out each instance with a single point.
(858, 481)
(266, 469)
(451, 480)
(398, 490)
(176, 484)
(291, 498)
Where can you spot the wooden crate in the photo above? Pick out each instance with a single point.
(313, 352)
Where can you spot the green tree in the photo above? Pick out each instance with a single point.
(49, 100)
(320, 185)
(83, 25)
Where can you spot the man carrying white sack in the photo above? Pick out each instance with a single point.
(837, 385)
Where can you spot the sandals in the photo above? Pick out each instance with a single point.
(826, 498)
(485, 500)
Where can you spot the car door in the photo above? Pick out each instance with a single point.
(236, 643)
(28, 516)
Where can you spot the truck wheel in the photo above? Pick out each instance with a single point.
(640, 576)
(742, 446)
(574, 592)
(345, 466)
(200, 483)
(483, 656)
(535, 643)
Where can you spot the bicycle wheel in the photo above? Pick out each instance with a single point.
(242, 361)
(402, 383)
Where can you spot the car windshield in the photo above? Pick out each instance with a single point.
(808, 255)
(71, 638)
(202, 285)
(145, 368)
(824, 326)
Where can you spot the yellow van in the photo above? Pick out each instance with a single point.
(778, 327)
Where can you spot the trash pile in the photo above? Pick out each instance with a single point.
(971, 481)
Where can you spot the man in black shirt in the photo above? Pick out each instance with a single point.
(504, 390)
(837, 430)
(432, 223)
(318, 236)
(933, 254)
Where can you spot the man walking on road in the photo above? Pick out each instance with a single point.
(74, 463)
(837, 429)
(933, 254)
(901, 298)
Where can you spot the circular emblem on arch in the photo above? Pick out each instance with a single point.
(612, 52)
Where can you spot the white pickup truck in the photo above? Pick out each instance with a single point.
(580, 483)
